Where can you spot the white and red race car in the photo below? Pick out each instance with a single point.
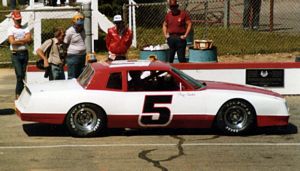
(148, 94)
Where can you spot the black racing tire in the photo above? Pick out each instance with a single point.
(86, 120)
(236, 117)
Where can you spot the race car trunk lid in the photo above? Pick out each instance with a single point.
(57, 85)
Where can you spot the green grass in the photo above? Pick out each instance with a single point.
(232, 41)
(238, 41)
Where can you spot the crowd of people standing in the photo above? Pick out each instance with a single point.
(67, 47)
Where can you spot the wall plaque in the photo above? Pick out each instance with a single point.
(265, 77)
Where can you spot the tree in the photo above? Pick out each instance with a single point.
(113, 7)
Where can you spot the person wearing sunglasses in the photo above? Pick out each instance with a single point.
(176, 27)
(74, 42)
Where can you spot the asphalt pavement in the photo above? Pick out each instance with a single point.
(41, 147)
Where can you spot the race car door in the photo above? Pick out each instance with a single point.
(157, 99)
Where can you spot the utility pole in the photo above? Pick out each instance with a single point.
(226, 20)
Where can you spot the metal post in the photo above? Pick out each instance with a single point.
(87, 11)
(134, 43)
(226, 13)
(204, 36)
(125, 17)
(4, 3)
(132, 21)
(31, 4)
(94, 20)
(271, 15)
(130, 15)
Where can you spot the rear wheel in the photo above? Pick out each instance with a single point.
(236, 117)
(85, 120)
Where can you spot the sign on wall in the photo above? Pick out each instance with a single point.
(265, 77)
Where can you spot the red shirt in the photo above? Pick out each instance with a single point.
(116, 44)
(177, 24)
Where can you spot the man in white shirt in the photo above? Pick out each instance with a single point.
(76, 53)
(19, 37)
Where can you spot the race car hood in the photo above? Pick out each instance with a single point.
(57, 85)
(238, 87)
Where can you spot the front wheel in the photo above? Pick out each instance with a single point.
(236, 117)
(85, 120)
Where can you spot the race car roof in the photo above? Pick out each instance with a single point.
(131, 64)
(128, 63)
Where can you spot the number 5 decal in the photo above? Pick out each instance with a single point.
(156, 116)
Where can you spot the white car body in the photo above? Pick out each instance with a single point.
(186, 107)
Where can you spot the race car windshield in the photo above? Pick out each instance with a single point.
(86, 76)
(196, 84)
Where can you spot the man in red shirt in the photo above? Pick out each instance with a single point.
(176, 27)
(118, 40)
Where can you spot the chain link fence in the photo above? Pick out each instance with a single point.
(278, 28)
(48, 25)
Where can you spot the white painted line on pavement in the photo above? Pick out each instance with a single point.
(143, 145)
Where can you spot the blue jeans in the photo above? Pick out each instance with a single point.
(57, 72)
(75, 65)
(20, 61)
(176, 44)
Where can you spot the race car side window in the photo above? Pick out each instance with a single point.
(157, 80)
(134, 80)
(115, 81)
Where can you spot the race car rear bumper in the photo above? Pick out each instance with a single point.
(42, 117)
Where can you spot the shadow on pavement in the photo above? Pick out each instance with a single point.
(7, 112)
(38, 129)
(289, 129)
(161, 131)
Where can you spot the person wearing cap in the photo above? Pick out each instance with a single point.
(118, 39)
(176, 27)
(19, 37)
(76, 49)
